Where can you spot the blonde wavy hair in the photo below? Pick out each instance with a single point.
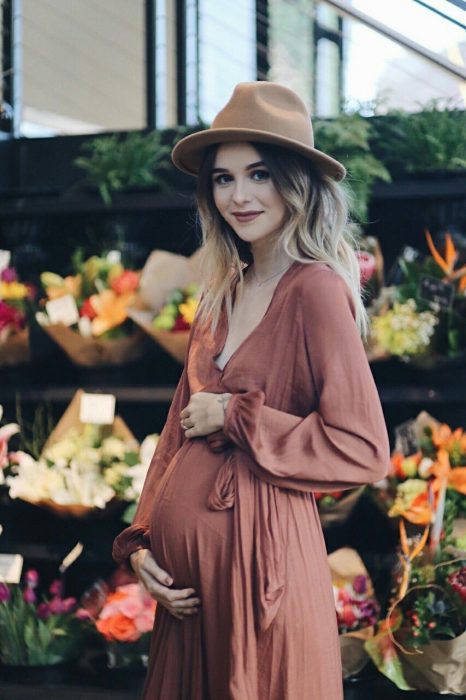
(316, 229)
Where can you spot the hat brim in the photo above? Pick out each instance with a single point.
(188, 153)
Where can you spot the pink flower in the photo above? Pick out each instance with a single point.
(32, 578)
(56, 588)
(347, 615)
(5, 594)
(367, 266)
(360, 584)
(9, 274)
(43, 611)
(83, 614)
(29, 596)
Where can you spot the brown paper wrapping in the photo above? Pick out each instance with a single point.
(338, 513)
(441, 668)
(353, 655)
(162, 274)
(95, 352)
(70, 419)
(345, 564)
(173, 342)
(16, 349)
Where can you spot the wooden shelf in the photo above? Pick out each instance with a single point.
(90, 203)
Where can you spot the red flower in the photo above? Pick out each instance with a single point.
(181, 324)
(10, 317)
(125, 283)
(87, 310)
(457, 581)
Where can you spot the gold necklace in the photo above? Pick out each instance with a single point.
(267, 279)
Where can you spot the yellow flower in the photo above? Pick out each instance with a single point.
(13, 290)
(188, 309)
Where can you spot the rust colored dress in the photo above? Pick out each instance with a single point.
(233, 515)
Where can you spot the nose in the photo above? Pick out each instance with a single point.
(241, 192)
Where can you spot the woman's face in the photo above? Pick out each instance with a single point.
(244, 193)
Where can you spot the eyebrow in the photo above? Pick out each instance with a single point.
(248, 167)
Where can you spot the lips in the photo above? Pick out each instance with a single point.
(247, 216)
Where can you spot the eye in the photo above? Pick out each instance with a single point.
(222, 179)
(260, 175)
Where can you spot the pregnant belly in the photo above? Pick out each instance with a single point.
(190, 540)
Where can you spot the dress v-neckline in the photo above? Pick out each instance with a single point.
(226, 327)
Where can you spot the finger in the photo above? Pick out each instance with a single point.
(153, 569)
(181, 594)
(185, 604)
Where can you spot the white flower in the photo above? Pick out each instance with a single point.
(114, 448)
(424, 467)
(147, 449)
(62, 450)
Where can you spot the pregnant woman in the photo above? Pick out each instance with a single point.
(276, 401)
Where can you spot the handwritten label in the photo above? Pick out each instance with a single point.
(11, 566)
(406, 440)
(63, 310)
(436, 291)
(98, 409)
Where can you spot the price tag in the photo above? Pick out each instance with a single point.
(63, 310)
(98, 409)
(436, 291)
(11, 566)
(406, 440)
(5, 258)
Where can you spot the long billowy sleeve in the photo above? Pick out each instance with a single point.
(136, 536)
(344, 442)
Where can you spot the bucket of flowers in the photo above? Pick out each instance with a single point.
(37, 632)
(122, 613)
(84, 470)
(16, 303)
(356, 607)
(167, 300)
(86, 313)
(422, 320)
(421, 644)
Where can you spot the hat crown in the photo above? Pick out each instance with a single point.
(267, 107)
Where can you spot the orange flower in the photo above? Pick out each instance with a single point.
(71, 285)
(457, 479)
(118, 628)
(111, 310)
(419, 511)
(447, 264)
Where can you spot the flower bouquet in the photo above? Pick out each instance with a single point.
(87, 313)
(168, 300)
(34, 633)
(356, 608)
(371, 266)
(422, 320)
(422, 642)
(16, 299)
(335, 507)
(7, 458)
(436, 456)
(83, 468)
(123, 616)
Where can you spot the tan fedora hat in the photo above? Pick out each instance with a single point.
(263, 112)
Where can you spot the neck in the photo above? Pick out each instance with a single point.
(268, 259)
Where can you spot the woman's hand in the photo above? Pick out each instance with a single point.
(204, 414)
(179, 603)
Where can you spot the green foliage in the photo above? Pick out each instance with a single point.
(27, 640)
(346, 138)
(430, 140)
(117, 162)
